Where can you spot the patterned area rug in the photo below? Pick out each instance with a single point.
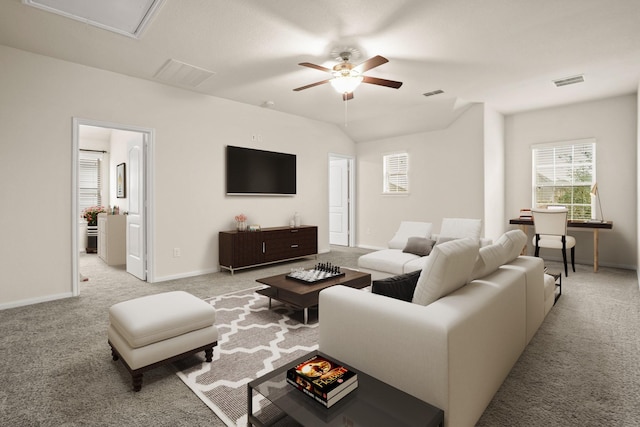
(253, 340)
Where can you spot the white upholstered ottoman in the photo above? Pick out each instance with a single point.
(150, 331)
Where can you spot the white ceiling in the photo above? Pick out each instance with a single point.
(501, 52)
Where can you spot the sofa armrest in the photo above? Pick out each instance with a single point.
(376, 334)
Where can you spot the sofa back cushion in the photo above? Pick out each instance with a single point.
(514, 241)
(409, 229)
(506, 249)
(489, 259)
(460, 228)
(447, 268)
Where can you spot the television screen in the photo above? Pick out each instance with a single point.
(259, 172)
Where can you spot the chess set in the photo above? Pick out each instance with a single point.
(321, 272)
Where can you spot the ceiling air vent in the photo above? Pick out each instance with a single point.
(433, 92)
(181, 74)
(569, 80)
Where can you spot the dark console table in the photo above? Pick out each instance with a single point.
(244, 249)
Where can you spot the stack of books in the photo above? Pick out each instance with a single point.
(525, 214)
(323, 380)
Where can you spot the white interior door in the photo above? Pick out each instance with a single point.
(135, 171)
(339, 201)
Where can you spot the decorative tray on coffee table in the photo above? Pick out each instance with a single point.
(320, 273)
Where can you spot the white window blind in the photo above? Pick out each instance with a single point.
(396, 173)
(89, 181)
(563, 174)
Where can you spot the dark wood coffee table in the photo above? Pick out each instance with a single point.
(302, 295)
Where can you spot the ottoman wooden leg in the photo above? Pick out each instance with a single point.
(208, 354)
(136, 379)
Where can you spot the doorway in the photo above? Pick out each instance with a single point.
(341, 196)
(133, 147)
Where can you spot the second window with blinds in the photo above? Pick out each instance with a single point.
(396, 173)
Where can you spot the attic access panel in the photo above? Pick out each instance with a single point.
(127, 17)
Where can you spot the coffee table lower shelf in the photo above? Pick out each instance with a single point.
(372, 404)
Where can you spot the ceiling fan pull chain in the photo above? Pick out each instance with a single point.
(345, 114)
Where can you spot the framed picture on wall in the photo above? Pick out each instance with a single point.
(121, 181)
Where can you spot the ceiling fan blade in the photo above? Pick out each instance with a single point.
(347, 96)
(381, 82)
(317, 67)
(370, 63)
(312, 85)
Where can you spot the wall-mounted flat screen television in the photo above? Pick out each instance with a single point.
(259, 172)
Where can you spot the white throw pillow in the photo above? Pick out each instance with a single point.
(409, 229)
(461, 227)
(446, 269)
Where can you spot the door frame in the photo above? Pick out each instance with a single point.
(148, 191)
(352, 193)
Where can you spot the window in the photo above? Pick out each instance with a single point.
(89, 182)
(396, 173)
(563, 174)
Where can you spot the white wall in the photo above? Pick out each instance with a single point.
(446, 179)
(41, 95)
(613, 123)
(118, 155)
(495, 221)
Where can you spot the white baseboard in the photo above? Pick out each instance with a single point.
(36, 300)
(185, 275)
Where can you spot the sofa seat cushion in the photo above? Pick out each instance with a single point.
(409, 229)
(388, 260)
(399, 287)
(146, 320)
(446, 269)
(415, 265)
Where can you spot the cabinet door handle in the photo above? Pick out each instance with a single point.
(294, 231)
(294, 246)
(264, 248)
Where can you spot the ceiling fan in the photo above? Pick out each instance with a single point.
(347, 77)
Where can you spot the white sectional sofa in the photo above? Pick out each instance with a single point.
(473, 312)
(413, 241)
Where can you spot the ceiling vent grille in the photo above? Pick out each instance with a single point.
(181, 74)
(433, 92)
(569, 80)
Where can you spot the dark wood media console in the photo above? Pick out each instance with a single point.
(244, 249)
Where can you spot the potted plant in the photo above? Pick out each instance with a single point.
(90, 214)
(241, 222)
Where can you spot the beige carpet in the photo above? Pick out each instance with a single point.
(581, 369)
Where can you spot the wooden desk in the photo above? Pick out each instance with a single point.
(595, 226)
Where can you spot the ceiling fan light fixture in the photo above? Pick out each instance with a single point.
(345, 84)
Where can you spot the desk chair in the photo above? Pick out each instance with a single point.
(551, 232)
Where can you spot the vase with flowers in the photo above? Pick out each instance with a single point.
(90, 214)
(241, 222)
